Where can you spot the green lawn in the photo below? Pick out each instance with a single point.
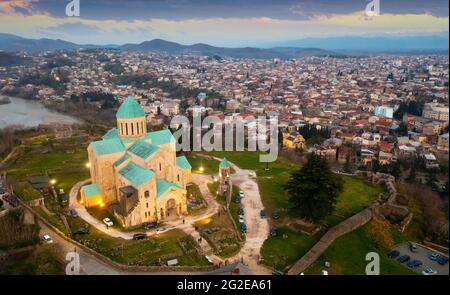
(219, 231)
(286, 248)
(193, 192)
(209, 166)
(67, 180)
(356, 196)
(39, 163)
(347, 256)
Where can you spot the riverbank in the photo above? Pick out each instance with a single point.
(28, 113)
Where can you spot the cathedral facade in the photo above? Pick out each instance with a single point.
(137, 173)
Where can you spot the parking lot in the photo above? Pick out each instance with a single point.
(423, 254)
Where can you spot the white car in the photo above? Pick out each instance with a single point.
(429, 272)
(161, 230)
(48, 239)
(241, 194)
(241, 219)
(108, 222)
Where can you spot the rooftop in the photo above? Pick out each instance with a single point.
(136, 174)
(142, 149)
(108, 146)
(91, 190)
(130, 108)
(163, 186)
(183, 162)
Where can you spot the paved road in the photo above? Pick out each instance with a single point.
(257, 228)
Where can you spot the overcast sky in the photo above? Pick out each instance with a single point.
(219, 22)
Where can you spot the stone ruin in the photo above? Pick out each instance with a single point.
(386, 209)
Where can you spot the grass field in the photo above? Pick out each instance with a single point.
(67, 180)
(39, 163)
(286, 248)
(347, 256)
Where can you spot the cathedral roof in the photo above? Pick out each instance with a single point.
(183, 163)
(129, 109)
(136, 174)
(108, 146)
(160, 137)
(142, 149)
(163, 186)
(91, 190)
(224, 163)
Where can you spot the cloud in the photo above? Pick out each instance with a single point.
(217, 30)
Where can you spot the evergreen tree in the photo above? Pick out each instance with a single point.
(313, 190)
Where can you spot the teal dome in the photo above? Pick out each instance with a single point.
(129, 109)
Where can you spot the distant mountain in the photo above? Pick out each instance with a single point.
(14, 43)
(162, 46)
(374, 44)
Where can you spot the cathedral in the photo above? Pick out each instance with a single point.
(136, 173)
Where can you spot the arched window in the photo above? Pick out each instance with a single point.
(178, 177)
(147, 194)
(132, 129)
(137, 128)
(126, 128)
(146, 205)
(160, 167)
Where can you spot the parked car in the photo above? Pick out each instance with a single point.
(278, 273)
(73, 212)
(81, 231)
(429, 272)
(414, 263)
(237, 200)
(442, 260)
(161, 230)
(108, 222)
(263, 214)
(241, 219)
(393, 254)
(149, 225)
(274, 232)
(276, 214)
(47, 239)
(241, 211)
(434, 256)
(244, 228)
(241, 194)
(403, 258)
(413, 247)
(139, 236)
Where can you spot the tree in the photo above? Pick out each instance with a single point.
(378, 231)
(431, 180)
(313, 190)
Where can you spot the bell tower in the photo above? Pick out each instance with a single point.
(131, 121)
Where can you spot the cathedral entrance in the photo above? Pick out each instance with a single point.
(171, 209)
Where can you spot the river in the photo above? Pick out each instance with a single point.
(28, 113)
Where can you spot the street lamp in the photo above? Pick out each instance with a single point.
(53, 181)
(201, 169)
(88, 165)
